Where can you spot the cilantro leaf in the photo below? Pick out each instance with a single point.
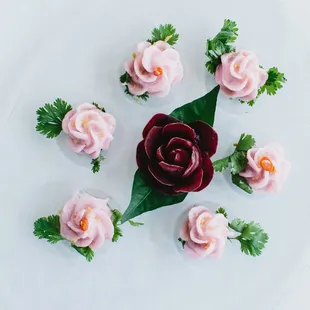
(220, 44)
(87, 252)
(238, 161)
(50, 116)
(125, 78)
(165, 33)
(274, 81)
(238, 225)
(97, 106)
(242, 183)
(182, 242)
(48, 228)
(252, 238)
(116, 218)
(245, 143)
(144, 96)
(96, 163)
(221, 164)
(135, 224)
(221, 211)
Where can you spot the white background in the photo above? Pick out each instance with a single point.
(75, 50)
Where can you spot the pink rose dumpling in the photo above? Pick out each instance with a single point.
(154, 68)
(89, 129)
(86, 221)
(240, 76)
(267, 168)
(205, 233)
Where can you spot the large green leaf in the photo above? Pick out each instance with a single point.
(144, 198)
(202, 109)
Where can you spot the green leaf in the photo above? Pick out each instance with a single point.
(125, 78)
(165, 33)
(97, 106)
(116, 218)
(202, 109)
(237, 225)
(182, 242)
(96, 163)
(238, 161)
(242, 183)
(135, 224)
(221, 164)
(252, 238)
(49, 118)
(48, 228)
(245, 143)
(87, 252)
(220, 44)
(221, 211)
(274, 81)
(145, 199)
(144, 96)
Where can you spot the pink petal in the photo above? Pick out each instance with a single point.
(162, 45)
(184, 234)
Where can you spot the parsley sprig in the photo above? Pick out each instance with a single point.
(274, 82)
(50, 116)
(49, 228)
(221, 44)
(96, 163)
(252, 237)
(238, 161)
(165, 33)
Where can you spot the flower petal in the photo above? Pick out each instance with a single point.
(159, 175)
(141, 157)
(158, 119)
(179, 143)
(208, 172)
(173, 170)
(208, 138)
(181, 157)
(184, 233)
(179, 130)
(152, 141)
(160, 154)
(191, 183)
(194, 162)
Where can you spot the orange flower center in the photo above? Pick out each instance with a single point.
(158, 71)
(267, 164)
(84, 223)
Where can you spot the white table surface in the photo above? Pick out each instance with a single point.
(75, 49)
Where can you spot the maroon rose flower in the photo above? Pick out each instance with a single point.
(175, 157)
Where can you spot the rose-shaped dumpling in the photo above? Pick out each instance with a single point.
(86, 221)
(175, 157)
(154, 68)
(240, 76)
(267, 168)
(205, 233)
(89, 129)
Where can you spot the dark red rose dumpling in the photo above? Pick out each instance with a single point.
(175, 157)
